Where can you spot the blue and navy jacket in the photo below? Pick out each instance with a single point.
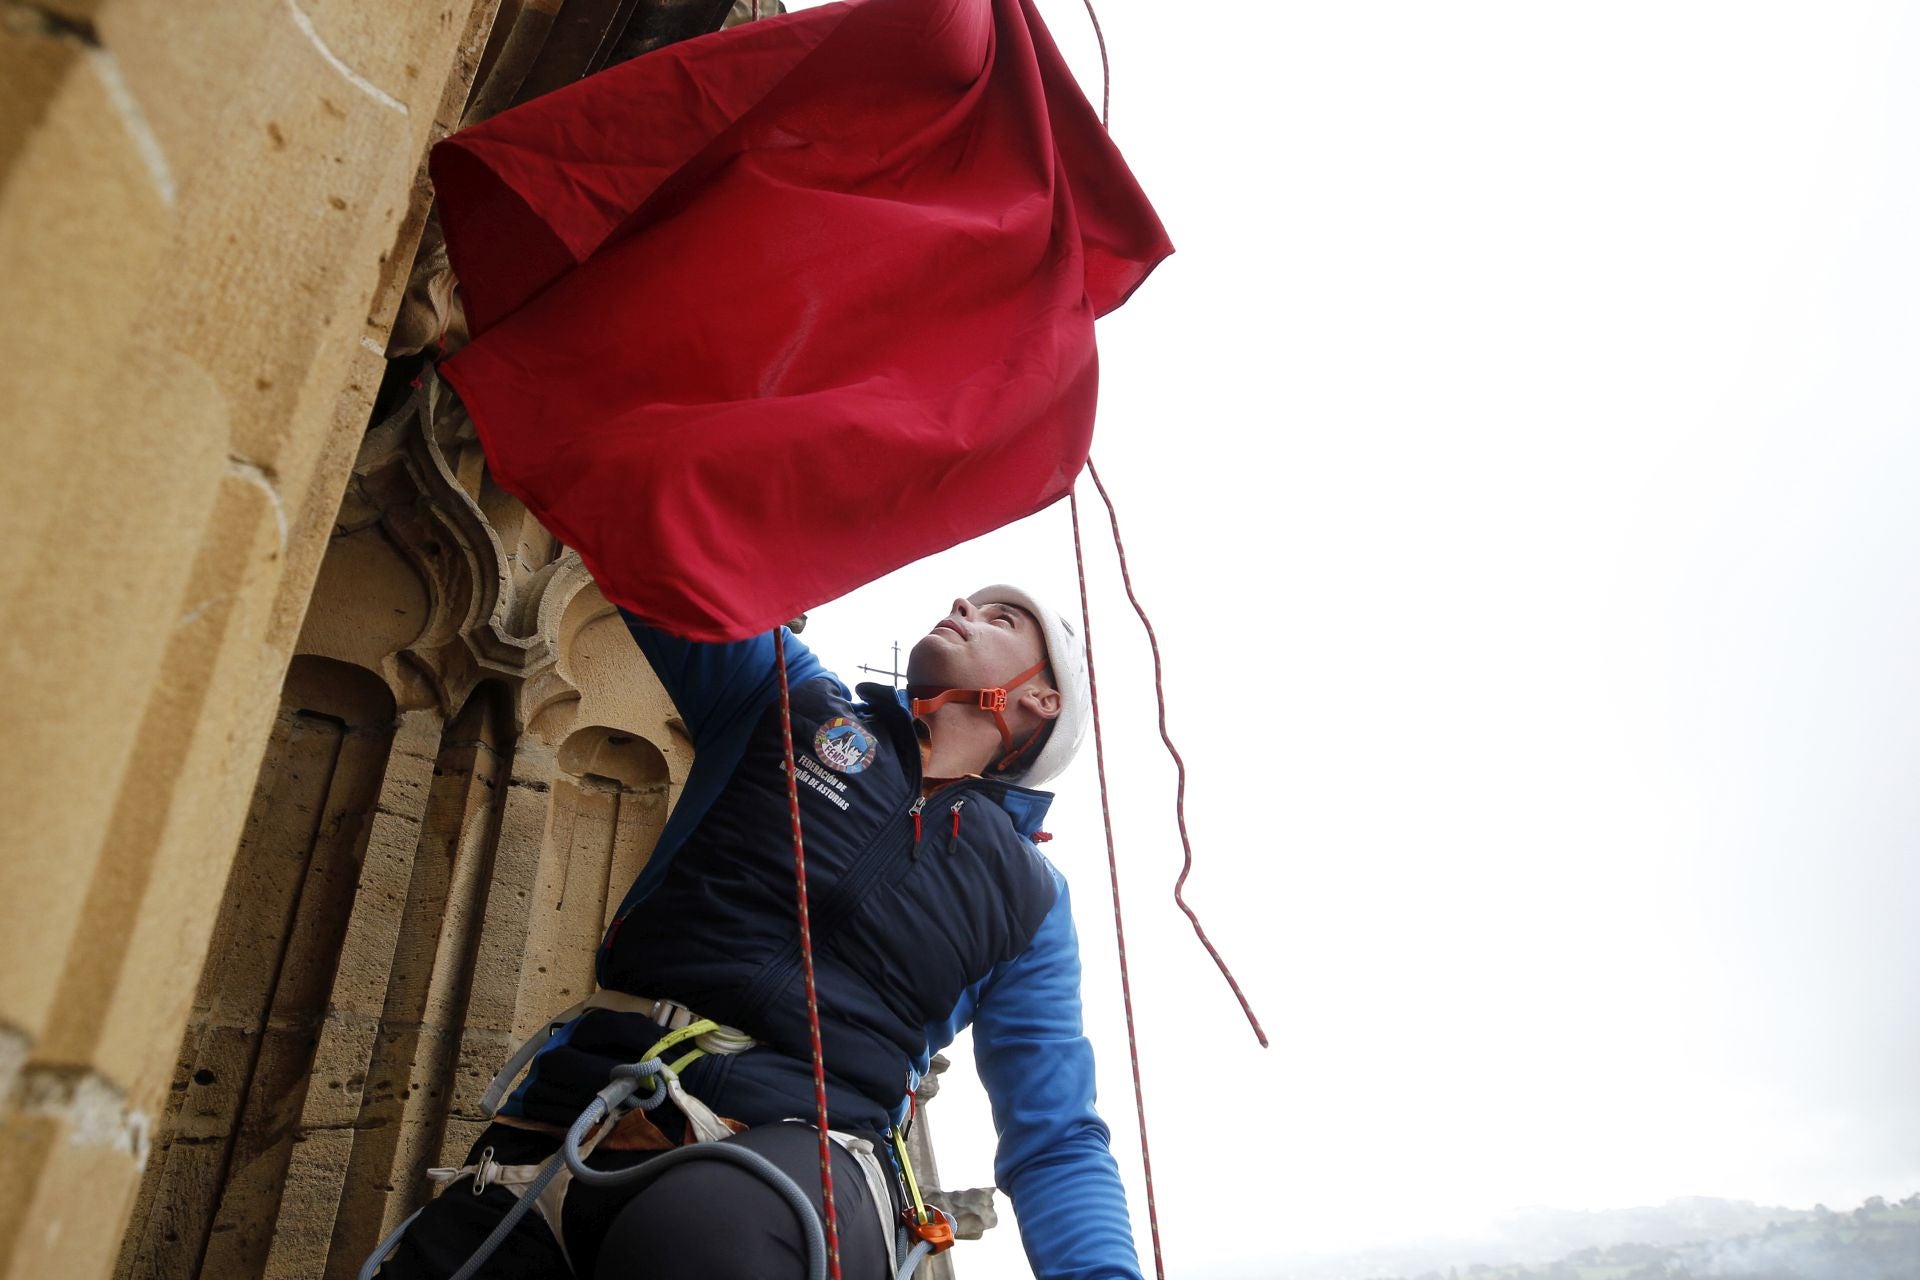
(926, 917)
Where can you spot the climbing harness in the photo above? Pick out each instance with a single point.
(710, 1038)
(542, 1186)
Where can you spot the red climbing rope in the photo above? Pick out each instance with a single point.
(1113, 871)
(1100, 762)
(806, 958)
(1180, 765)
(1106, 71)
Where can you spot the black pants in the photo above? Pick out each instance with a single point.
(705, 1218)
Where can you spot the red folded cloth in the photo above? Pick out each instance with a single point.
(766, 314)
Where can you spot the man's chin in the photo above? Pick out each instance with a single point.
(927, 661)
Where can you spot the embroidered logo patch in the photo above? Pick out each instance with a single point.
(844, 745)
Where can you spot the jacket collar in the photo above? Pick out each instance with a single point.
(1027, 807)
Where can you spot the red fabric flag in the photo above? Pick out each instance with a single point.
(766, 314)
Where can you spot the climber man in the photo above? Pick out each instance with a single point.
(931, 909)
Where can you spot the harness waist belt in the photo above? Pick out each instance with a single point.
(668, 1013)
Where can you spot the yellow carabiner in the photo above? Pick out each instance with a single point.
(913, 1184)
(681, 1036)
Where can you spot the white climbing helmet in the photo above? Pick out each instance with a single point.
(1067, 657)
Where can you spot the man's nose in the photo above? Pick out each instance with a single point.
(963, 608)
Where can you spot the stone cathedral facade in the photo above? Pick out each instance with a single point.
(469, 763)
(326, 764)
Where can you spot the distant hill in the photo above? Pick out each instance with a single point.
(1691, 1239)
(1549, 1233)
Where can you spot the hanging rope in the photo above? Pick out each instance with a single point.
(806, 959)
(1180, 765)
(1113, 875)
(1106, 71)
(1159, 686)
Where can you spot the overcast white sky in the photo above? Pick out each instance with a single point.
(1518, 459)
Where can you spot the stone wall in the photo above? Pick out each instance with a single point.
(206, 216)
(327, 764)
(469, 765)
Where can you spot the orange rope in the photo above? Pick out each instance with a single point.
(1180, 765)
(806, 959)
(1106, 70)
(1113, 875)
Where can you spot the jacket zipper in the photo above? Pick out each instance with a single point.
(859, 875)
(847, 893)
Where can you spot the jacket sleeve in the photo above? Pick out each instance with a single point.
(1037, 1066)
(720, 691)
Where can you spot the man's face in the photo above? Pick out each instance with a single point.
(977, 647)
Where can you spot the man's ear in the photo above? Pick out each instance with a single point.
(1043, 702)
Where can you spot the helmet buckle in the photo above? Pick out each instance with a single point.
(993, 699)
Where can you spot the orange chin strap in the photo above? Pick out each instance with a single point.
(992, 701)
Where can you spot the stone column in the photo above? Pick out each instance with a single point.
(205, 214)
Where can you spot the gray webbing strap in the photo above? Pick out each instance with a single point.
(509, 1073)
